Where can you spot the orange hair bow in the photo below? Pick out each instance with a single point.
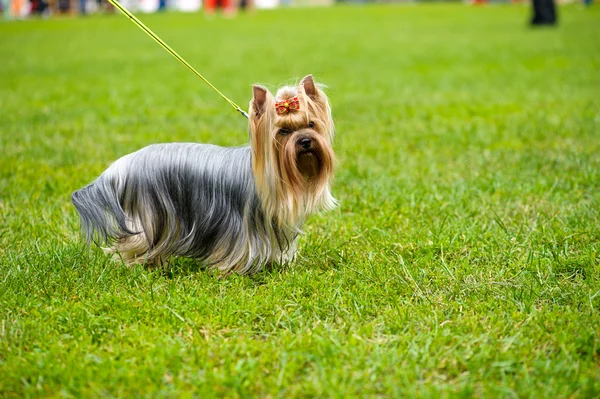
(283, 107)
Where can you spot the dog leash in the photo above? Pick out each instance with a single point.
(164, 45)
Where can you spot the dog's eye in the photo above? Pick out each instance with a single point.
(311, 124)
(284, 131)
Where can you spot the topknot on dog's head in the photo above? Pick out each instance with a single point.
(285, 93)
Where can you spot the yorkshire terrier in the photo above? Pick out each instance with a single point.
(236, 209)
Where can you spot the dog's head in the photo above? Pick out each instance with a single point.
(292, 158)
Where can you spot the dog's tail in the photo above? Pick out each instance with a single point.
(102, 217)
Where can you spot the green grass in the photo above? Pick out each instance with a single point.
(462, 261)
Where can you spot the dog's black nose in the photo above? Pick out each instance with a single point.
(305, 143)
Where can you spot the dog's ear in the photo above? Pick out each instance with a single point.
(259, 100)
(309, 86)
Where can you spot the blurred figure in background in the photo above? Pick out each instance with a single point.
(544, 12)
(228, 7)
(39, 7)
(94, 6)
(18, 8)
(63, 6)
(6, 9)
(246, 5)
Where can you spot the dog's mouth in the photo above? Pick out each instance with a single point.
(308, 163)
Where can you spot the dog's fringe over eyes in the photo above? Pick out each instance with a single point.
(237, 209)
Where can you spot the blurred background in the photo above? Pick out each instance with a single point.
(16, 9)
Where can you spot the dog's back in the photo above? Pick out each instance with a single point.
(177, 198)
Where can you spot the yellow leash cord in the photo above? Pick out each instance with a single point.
(164, 45)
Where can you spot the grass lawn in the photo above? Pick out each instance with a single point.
(464, 259)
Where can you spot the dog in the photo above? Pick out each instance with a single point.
(237, 209)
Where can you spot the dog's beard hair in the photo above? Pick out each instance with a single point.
(188, 200)
(235, 208)
(306, 190)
